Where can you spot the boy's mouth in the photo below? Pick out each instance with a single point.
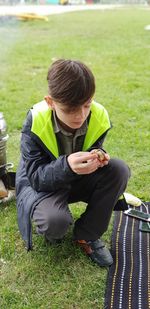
(77, 122)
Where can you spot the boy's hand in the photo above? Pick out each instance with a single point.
(102, 156)
(86, 162)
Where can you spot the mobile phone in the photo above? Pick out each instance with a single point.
(144, 226)
(137, 214)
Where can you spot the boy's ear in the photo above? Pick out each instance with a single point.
(49, 101)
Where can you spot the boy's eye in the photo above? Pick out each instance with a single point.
(67, 111)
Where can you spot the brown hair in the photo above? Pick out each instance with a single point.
(70, 82)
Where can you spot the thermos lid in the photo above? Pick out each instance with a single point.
(3, 126)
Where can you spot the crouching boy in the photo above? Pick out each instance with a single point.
(60, 163)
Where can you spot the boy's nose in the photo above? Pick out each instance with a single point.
(80, 114)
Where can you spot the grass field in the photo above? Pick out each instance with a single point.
(117, 48)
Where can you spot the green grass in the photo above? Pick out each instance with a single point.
(116, 47)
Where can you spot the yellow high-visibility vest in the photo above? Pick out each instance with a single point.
(42, 126)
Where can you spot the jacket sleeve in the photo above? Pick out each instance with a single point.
(43, 172)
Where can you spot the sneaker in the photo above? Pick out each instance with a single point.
(97, 251)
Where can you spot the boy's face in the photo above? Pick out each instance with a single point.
(70, 118)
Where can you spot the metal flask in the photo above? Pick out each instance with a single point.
(3, 140)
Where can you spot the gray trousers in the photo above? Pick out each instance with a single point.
(100, 190)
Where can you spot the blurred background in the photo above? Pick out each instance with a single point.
(64, 2)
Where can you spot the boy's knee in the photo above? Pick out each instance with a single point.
(58, 223)
(120, 169)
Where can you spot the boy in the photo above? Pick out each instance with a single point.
(59, 164)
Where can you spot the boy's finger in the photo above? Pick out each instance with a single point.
(84, 157)
(107, 157)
